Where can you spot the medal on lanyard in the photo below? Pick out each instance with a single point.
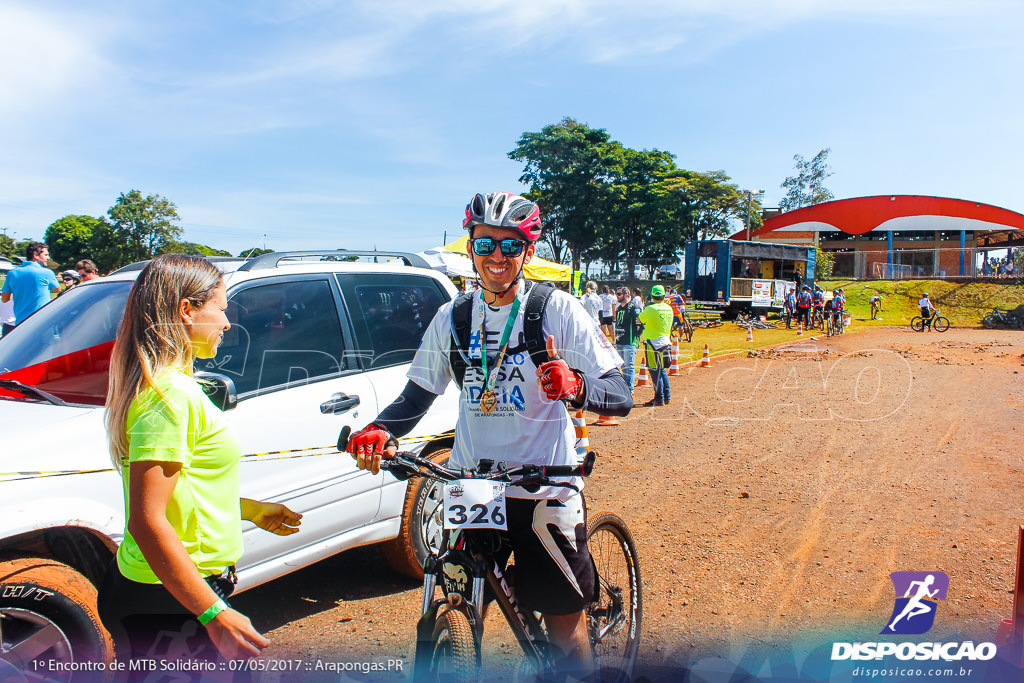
(488, 397)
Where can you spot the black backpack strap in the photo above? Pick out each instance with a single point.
(462, 314)
(533, 322)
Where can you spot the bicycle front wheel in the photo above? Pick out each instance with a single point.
(614, 620)
(940, 324)
(917, 324)
(456, 655)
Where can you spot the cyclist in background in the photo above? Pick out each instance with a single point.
(876, 306)
(803, 306)
(512, 409)
(818, 301)
(789, 306)
(925, 304)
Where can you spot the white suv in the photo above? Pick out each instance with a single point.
(317, 342)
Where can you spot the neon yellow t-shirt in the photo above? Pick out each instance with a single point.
(657, 320)
(204, 508)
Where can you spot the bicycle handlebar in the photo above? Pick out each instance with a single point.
(405, 465)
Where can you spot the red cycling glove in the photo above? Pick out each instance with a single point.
(559, 381)
(369, 441)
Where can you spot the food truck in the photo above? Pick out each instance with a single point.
(735, 275)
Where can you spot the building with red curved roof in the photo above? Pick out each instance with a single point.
(903, 234)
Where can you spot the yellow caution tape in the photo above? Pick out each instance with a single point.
(283, 455)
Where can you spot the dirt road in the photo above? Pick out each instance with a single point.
(770, 501)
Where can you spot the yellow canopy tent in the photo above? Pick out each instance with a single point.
(536, 269)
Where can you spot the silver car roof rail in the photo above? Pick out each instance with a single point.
(139, 265)
(272, 259)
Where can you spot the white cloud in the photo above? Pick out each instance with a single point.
(46, 57)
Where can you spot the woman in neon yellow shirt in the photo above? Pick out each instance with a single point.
(179, 461)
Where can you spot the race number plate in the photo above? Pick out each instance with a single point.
(474, 504)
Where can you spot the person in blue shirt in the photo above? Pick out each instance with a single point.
(31, 283)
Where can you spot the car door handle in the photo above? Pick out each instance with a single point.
(338, 403)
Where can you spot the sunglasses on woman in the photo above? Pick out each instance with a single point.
(510, 248)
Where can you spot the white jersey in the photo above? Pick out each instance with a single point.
(924, 303)
(524, 427)
(607, 305)
(592, 304)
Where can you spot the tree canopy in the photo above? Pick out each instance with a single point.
(71, 239)
(139, 228)
(602, 200)
(807, 187)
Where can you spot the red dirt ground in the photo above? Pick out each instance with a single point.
(770, 501)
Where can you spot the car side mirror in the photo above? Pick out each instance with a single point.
(220, 388)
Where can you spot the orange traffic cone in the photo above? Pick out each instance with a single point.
(750, 333)
(800, 330)
(643, 377)
(606, 421)
(673, 369)
(579, 421)
(705, 362)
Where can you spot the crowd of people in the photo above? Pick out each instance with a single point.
(33, 284)
(998, 267)
(625, 318)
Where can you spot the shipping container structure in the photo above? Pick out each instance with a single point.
(735, 274)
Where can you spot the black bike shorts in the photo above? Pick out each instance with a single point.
(554, 573)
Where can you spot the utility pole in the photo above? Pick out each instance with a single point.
(750, 193)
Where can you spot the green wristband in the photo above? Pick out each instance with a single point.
(215, 609)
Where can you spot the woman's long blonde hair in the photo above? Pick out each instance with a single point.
(152, 336)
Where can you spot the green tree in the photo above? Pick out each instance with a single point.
(7, 247)
(140, 227)
(709, 202)
(644, 224)
(192, 249)
(254, 252)
(568, 168)
(824, 262)
(807, 187)
(70, 239)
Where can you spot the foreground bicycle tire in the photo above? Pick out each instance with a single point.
(614, 620)
(940, 323)
(456, 656)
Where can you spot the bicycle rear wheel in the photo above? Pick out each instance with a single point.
(456, 656)
(614, 619)
(940, 324)
(917, 324)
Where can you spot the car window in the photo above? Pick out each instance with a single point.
(64, 347)
(282, 333)
(390, 313)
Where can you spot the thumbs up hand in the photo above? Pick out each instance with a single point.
(557, 380)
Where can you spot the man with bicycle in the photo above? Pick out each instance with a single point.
(818, 302)
(925, 304)
(512, 408)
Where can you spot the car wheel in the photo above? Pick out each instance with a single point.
(420, 533)
(48, 613)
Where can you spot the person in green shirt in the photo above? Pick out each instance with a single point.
(180, 464)
(657, 344)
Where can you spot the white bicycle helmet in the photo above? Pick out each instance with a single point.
(504, 210)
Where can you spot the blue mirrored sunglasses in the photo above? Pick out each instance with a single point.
(510, 248)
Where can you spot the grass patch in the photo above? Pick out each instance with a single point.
(963, 303)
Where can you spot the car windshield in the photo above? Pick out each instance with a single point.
(64, 347)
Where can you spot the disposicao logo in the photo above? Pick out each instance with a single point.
(913, 613)
(917, 596)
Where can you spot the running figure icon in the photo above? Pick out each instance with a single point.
(917, 595)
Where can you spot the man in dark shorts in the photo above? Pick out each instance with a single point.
(510, 405)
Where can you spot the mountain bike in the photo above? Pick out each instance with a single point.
(450, 628)
(937, 322)
(1000, 317)
(683, 328)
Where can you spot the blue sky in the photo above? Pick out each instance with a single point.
(372, 122)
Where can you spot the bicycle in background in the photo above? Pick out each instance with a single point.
(936, 321)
